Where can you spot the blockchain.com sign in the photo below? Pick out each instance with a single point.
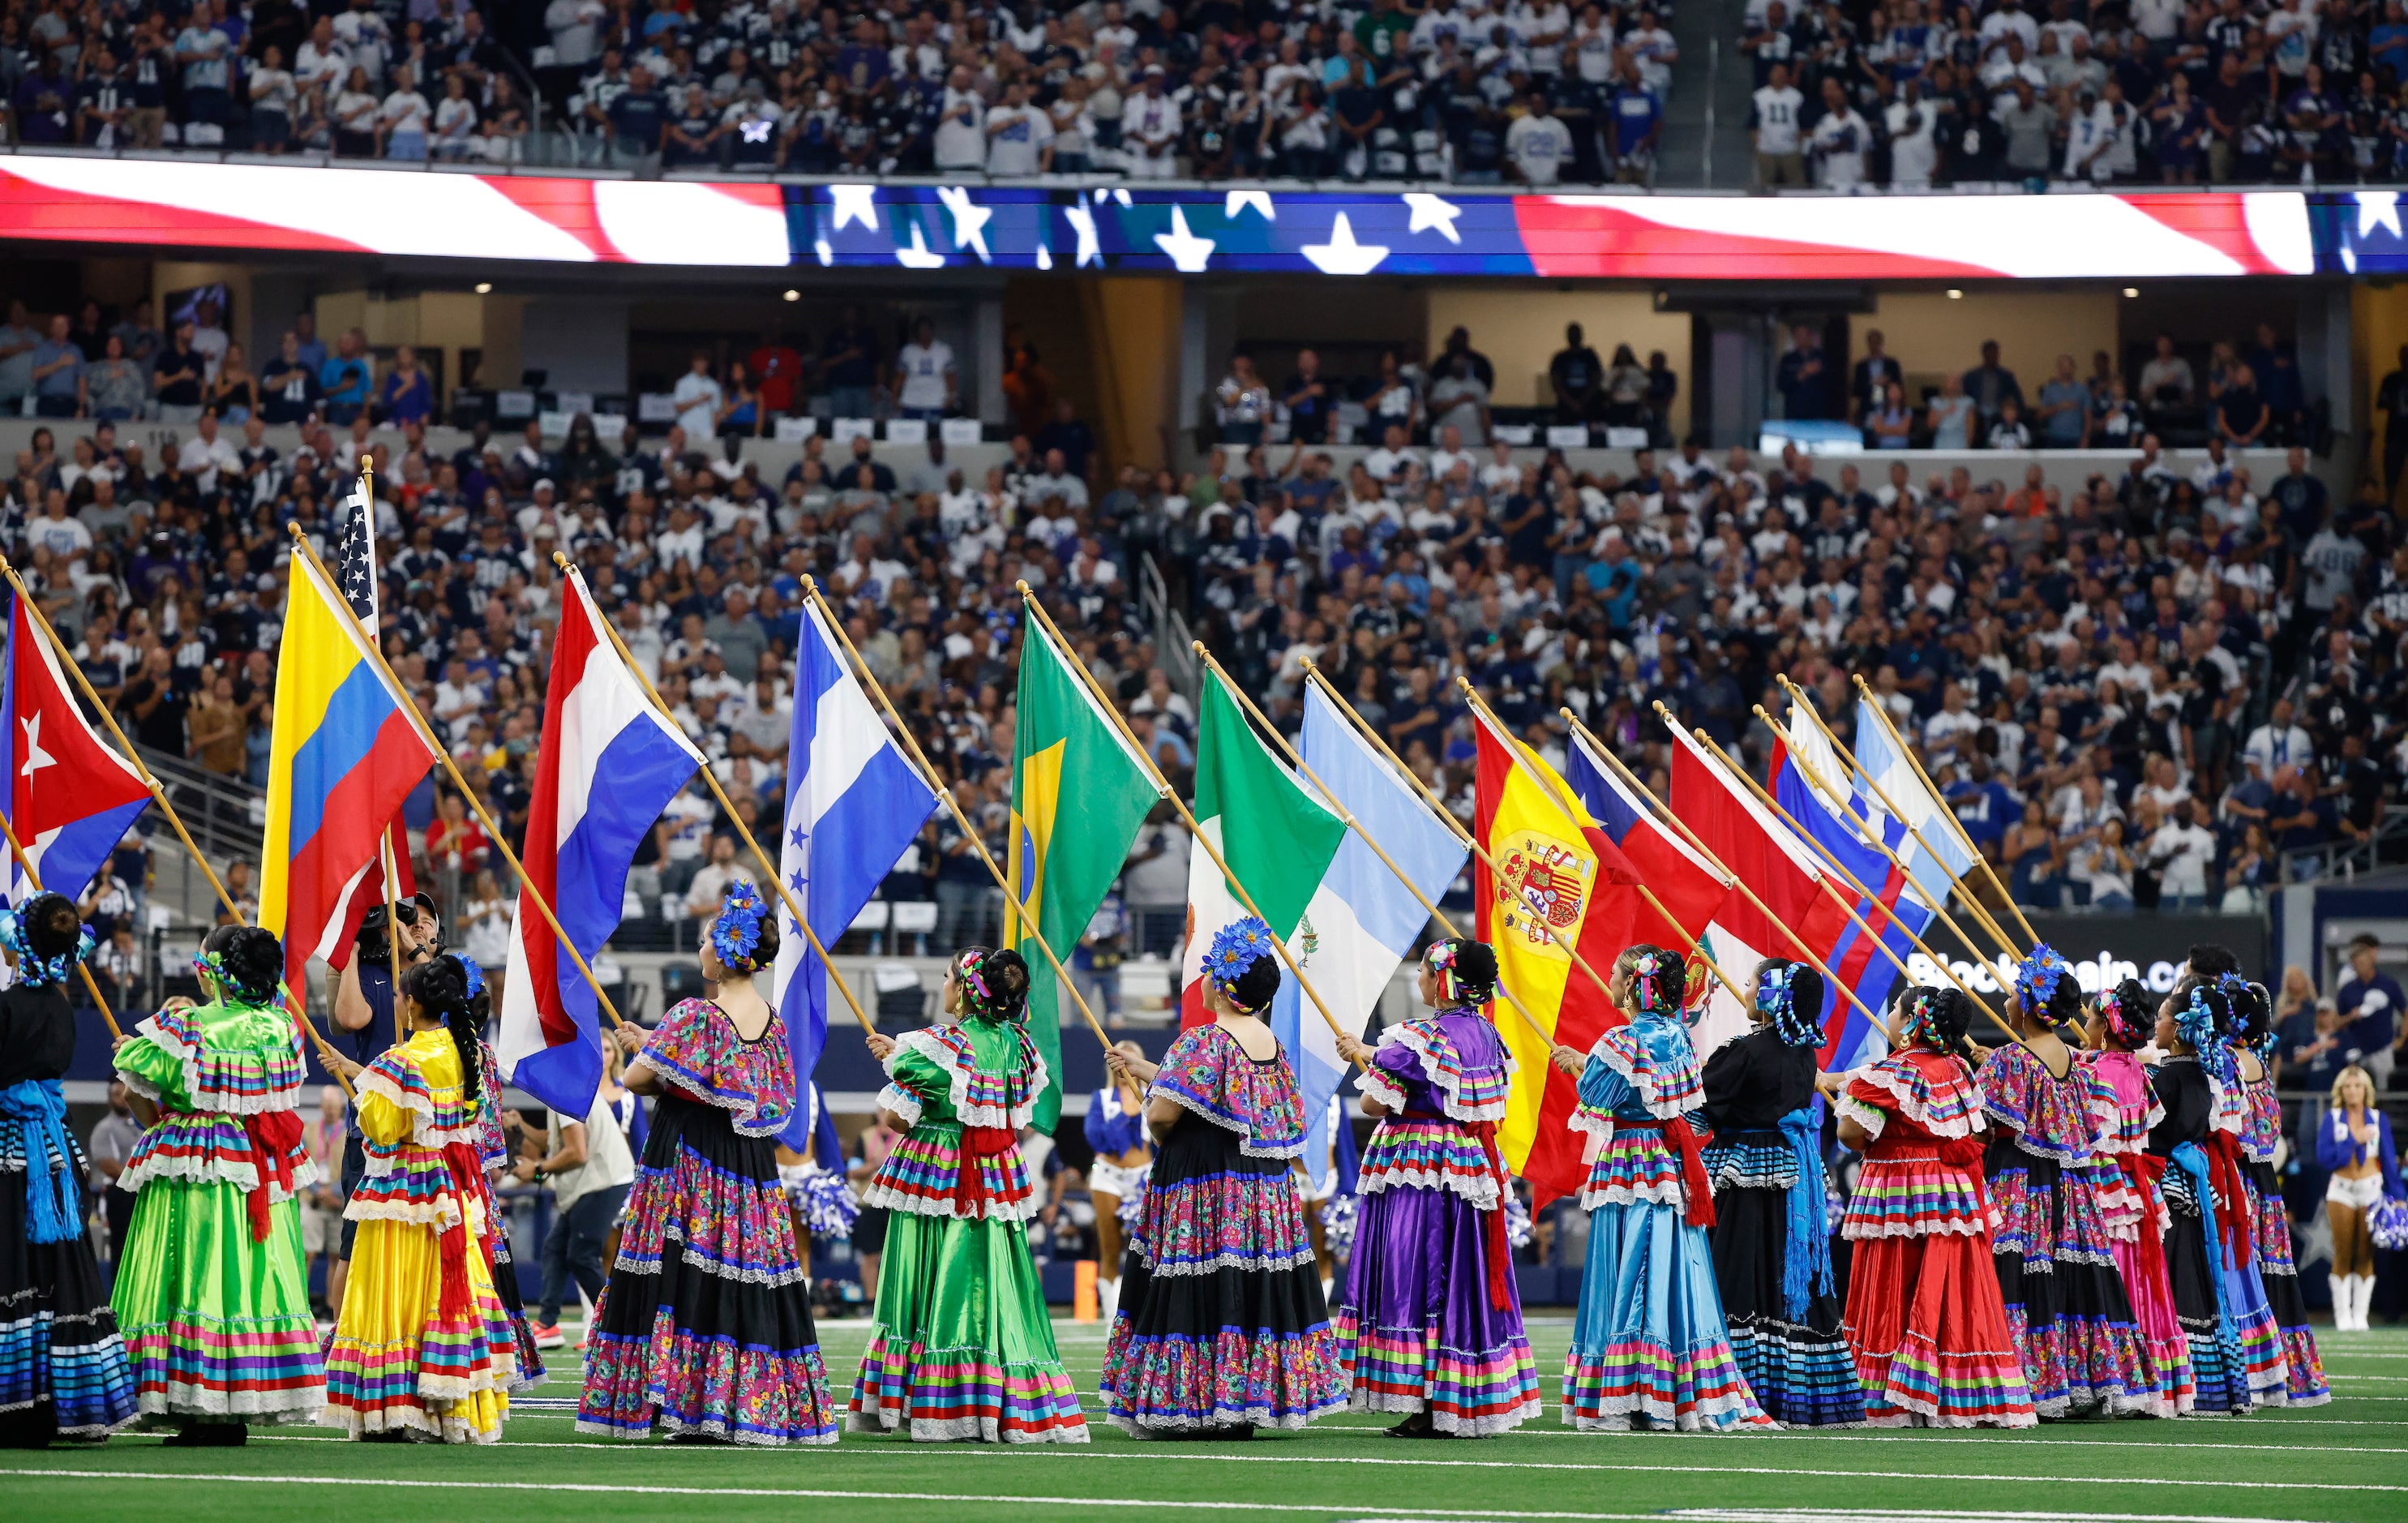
(2105, 950)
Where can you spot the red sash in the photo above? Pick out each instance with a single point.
(273, 1136)
(468, 1182)
(1697, 1190)
(969, 1184)
(2144, 1170)
(2231, 1193)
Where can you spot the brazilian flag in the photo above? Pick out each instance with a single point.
(1079, 793)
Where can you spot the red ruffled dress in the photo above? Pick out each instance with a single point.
(1925, 1317)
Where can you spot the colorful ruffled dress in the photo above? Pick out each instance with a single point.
(1649, 1346)
(1222, 1321)
(1771, 1239)
(2136, 1227)
(62, 1370)
(2270, 1223)
(705, 1326)
(962, 1348)
(493, 1160)
(2054, 1211)
(2200, 1215)
(2262, 1349)
(212, 1291)
(1924, 1314)
(1430, 1316)
(424, 1347)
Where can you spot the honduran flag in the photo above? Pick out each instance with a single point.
(854, 804)
(598, 728)
(69, 799)
(345, 750)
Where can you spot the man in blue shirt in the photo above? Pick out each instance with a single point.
(203, 50)
(1638, 120)
(1808, 385)
(58, 373)
(2369, 1003)
(345, 380)
(638, 115)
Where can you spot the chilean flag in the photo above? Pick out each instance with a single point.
(69, 797)
(598, 728)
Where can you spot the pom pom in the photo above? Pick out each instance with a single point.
(1339, 1215)
(2387, 1224)
(825, 1200)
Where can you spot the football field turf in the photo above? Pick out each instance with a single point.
(2346, 1462)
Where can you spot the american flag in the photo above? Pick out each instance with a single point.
(355, 562)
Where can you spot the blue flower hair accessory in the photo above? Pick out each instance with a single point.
(2237, 989)
(476, 974)
(737, 929)
(2037, 976)
(1236, 947)
(1776, 995)
(34, 970)
(2197, 1025)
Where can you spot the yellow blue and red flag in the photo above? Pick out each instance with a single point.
(344, 751)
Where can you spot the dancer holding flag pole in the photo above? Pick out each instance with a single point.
(769, 869)
(1804, 951)
(327, 1051)
(1547, 787)
(1866, 701)
(501, 842)
(1825, 787)
(945, 793)
(17, 850)
(1279, 944)
(1853, 882)
(1801, 701)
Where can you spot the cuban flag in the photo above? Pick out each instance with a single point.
(598, 726)
(853, 803)
(1364, 922)
(69, 799)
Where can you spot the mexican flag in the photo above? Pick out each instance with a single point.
(1079, 793)
(1278, 839)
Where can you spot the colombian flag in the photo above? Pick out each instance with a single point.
(343, 752)
(1559, 867)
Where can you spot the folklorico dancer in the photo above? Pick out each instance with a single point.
(962, 1348)
(2121, 1022)
(2055, 1208)
(2261, 1341)
(1771, 1240)
(422, 1347)
(1116, 1129)
(705, 1331)
(212, 1295)
(1222, 1328)
(1649, 1346)
(495, 1157)
(1924, 1314)
(2270, 1220)
(1430, 1323)
(62, 1370)
(2206, 1198)
(2353, 1144)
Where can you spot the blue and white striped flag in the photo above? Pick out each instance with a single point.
(853, 803)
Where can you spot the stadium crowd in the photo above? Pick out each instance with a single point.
(1923, 93)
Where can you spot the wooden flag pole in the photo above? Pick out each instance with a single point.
(1162, 786)
(1719, 866)
(1866, 691)
(501, 842)
(769, 869)
(392, 932)
(1798, 702)
(327, 1051)
(1854, 883)
(929, 774)
(91, 984)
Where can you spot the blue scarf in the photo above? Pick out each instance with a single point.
(2191, 1159)
(39, 1106)
(1806, 1262)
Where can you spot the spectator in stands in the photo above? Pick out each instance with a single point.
(1809, 389)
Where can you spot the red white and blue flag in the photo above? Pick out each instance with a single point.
(69, 797)
(607, 766)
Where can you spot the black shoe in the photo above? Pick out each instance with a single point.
(208, 1436)
(1416, 1427)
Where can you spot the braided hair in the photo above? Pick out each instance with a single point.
(46, 936)
(995, 983)
(1658, 980)
(2129, 1018)
(2253, 1015)
(247, 961)
(1466, 969)
(1938, 1018)
(453, 988)
(1789, 996)
(2203, 1020)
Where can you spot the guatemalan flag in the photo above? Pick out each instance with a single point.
(69, 797)
(853, 803)
(1363, 921)
(598, 728)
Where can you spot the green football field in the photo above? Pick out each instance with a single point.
(2346, 1462)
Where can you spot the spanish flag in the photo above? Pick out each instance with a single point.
(344, 751)
(1558, 875)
